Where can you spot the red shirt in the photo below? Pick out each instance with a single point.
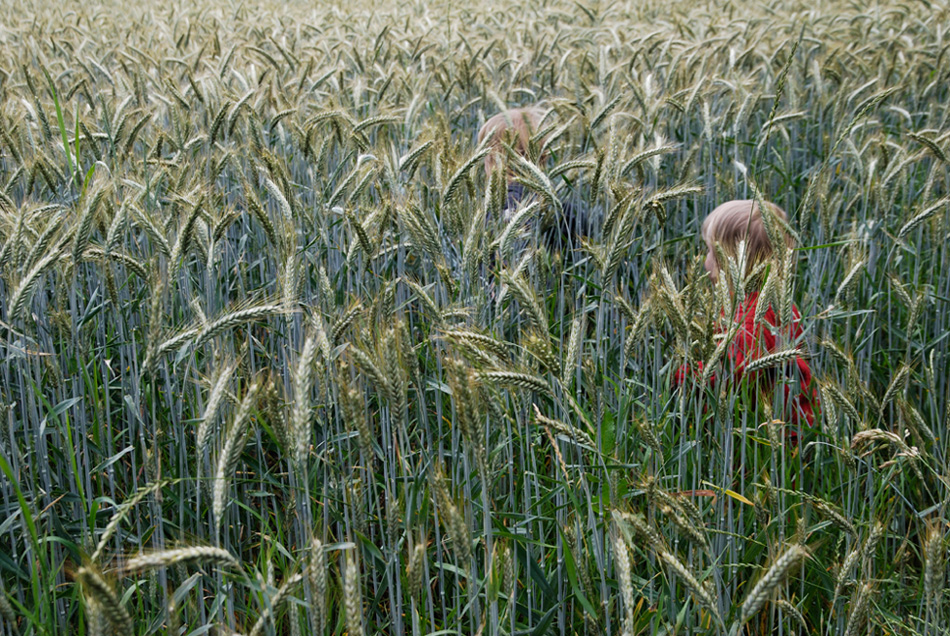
(754, 340)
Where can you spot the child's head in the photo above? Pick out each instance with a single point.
(514, 127)
(737, 221)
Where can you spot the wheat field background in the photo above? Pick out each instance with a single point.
(275, 362)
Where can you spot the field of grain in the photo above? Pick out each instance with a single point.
(274, 361)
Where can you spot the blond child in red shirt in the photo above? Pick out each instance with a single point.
(726, 227)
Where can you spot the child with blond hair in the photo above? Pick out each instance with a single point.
(516, 128)
(736, 230)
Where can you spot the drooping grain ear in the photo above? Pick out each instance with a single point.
(773, 231)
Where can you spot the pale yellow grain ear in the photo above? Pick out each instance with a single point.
(415, 571)
(700, 592)
(775, 233)
(452, 519)
(352, 596)
(767, 295)
(189, 555)
(686, 518)
(301, 421)
(788, 285)
(935, 549)
(231, 451)
(668, 304)
(729, 269)
(101, 595)
(317, 573)
(772, 579)
(622, 562)
(394, 365)
(859, 610)
(216, 398)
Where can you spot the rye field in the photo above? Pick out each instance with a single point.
(276, 356)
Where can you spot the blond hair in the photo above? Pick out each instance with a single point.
(742, 220)
(515, 127)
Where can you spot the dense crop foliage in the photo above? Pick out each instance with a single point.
(274, 361)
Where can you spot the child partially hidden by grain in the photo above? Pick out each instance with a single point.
(517, 129)
(756, 331)
(514, 127)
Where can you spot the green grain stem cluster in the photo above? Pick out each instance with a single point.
(278, 357)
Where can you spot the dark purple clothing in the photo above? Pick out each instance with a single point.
(558, 229)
